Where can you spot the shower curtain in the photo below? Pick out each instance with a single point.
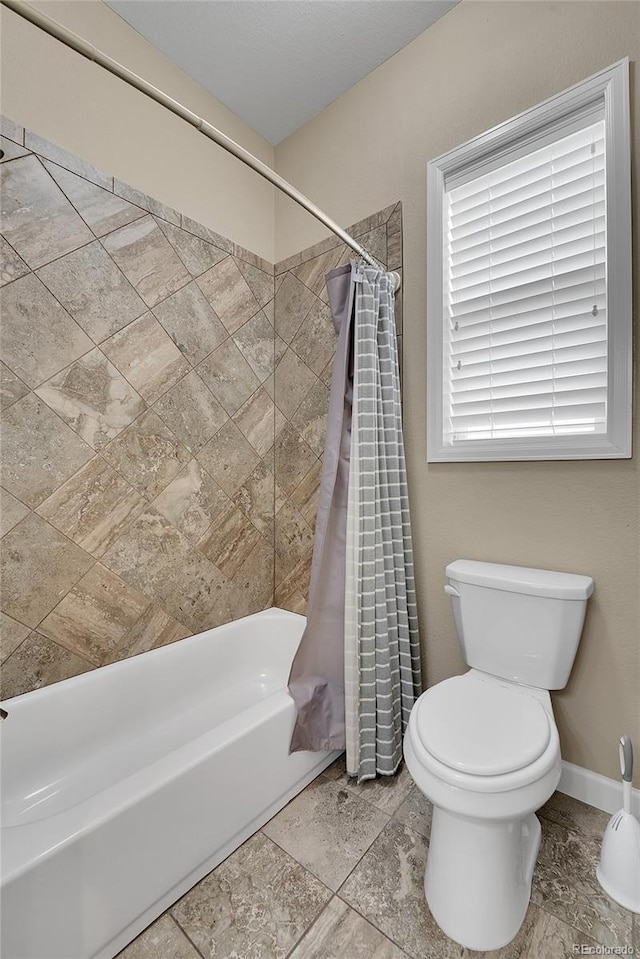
(356, 673)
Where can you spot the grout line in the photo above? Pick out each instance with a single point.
(22, 260)
(80, 176)
(19, 143)
(310, 927)
(176, 251)
(148, 307)
(290, 855)
(22, 156)
(168, 913)
(72, 156)
(372, 922)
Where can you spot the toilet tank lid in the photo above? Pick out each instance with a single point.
(521, 579)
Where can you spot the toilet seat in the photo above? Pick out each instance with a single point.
(482, 727)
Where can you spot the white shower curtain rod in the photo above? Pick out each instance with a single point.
(86, 49)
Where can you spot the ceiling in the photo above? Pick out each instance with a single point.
(277, 63)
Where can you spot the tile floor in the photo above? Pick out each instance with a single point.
(338, 874)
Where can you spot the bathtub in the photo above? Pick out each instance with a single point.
(124, 786)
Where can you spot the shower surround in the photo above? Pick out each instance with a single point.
(163, 417)
(305, 341)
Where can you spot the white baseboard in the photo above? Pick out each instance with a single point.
(595, 790)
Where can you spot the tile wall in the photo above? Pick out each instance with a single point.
(163, 416)
(137, 420)
(304, 349)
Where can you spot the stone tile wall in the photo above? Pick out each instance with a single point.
(304, 348)
(163, 416)
(137, 420)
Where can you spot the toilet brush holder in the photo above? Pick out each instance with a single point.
(619, 869)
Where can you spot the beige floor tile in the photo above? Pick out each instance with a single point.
(565, 885)
(256, 905)
(385, 793)
(387, 888)
(163, 939)
(575, 815)
(336, 769)
(340, 933)
(541, 936)
(415, 812)
(327, 829)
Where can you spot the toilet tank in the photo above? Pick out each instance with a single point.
(518, 623)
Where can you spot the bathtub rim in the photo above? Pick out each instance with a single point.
(120, 664)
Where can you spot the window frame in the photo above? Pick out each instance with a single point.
(611, 87)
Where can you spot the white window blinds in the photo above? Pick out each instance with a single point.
(525, 272)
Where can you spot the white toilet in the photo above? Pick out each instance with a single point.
(484, 748)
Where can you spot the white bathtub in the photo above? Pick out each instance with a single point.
(123, 787)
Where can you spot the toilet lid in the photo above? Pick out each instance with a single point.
(481, 727)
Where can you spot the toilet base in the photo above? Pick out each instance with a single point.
(478, 877)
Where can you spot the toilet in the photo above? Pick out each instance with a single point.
(484, 749)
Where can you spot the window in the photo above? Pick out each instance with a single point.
(529, 284)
